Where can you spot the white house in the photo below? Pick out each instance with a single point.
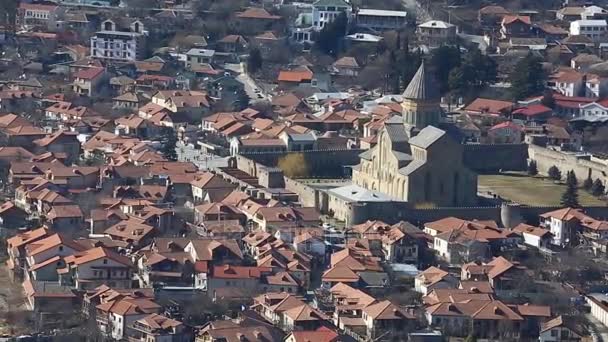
(433, 278)
(534, 236)
(561, 328)
(325, 11)
(309, 243)
(563, 224)
(95, 267)
(118, 41)
(594, 29)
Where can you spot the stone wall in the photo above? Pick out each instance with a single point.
(490, 158)
(309, 197)
(321, 163)
(582, 166)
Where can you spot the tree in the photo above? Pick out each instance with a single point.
(294, 165)
(588, 183)
(329, 40)
(254, 61)
(443, 60)
(570, 196)
(169, 144)
(527, 78)
(554, 173)
(471, 338)
(548, 100)
(532, 168)
(598, 188)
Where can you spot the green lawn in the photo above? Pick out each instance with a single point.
(530, 190)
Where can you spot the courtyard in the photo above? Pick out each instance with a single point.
(534, 191)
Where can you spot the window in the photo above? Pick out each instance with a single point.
(105, 261)
(61, 248)
(554, 333)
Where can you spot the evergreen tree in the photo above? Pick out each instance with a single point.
(254, 61)
(527, 78)
(532, 168)
(588, 183)
(548, 100)
(598, 188)
(444, 60)
(169, 144)
(570, 196)
(329, 40)
(554, 173)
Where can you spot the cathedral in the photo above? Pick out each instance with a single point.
(414, 160)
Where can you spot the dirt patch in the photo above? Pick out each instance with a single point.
(13, 310)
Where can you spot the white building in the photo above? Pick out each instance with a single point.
(325, 11)
(594, 29)
(381, 19)
(121, 42)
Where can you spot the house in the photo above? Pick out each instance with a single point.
(241, 145)
(49, 297)
(195, 58)
(491, 15)
(534, 236)
(505, 133)
(515, 26)
(532, 113)
(567, 82)
(94, 267)
(325, 11)
(120, 40)
(88, 81)
(66, 218)
(595, 29)
(210, 187)
(583, 61)
(322, 334)
(295, 77)
(433, 278)
(114, 317)
(249, 326)
(563, 224)
(562, 328)
(132, 232)
(60, 142)
(39, 15)
(11, 216)
(16, 250)
(271, 219)
(310, 244)
(158, 328)
(387, 320)
(481, 107)
(380, 20)
(501, 273)
(244, 277)
(256, 19)
(346, 66)
(569, 13)
(232, 43)
(436, 33)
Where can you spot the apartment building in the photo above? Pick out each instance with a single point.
(120, 41)
(594, 29)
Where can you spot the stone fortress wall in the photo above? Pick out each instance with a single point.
(487, 158)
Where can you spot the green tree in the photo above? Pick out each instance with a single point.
(443, 60)
(254, 61)
(527, 78)
(329, 40)
(598, 188)
(588, 183)
(554, 173)
(570, 196)
(532, 168)
(548, 100)
(169, 137)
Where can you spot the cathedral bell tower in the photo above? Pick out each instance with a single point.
(420, 106)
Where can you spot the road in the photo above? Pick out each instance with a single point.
(248, 83)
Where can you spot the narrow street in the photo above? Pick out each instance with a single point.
(248, 83)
